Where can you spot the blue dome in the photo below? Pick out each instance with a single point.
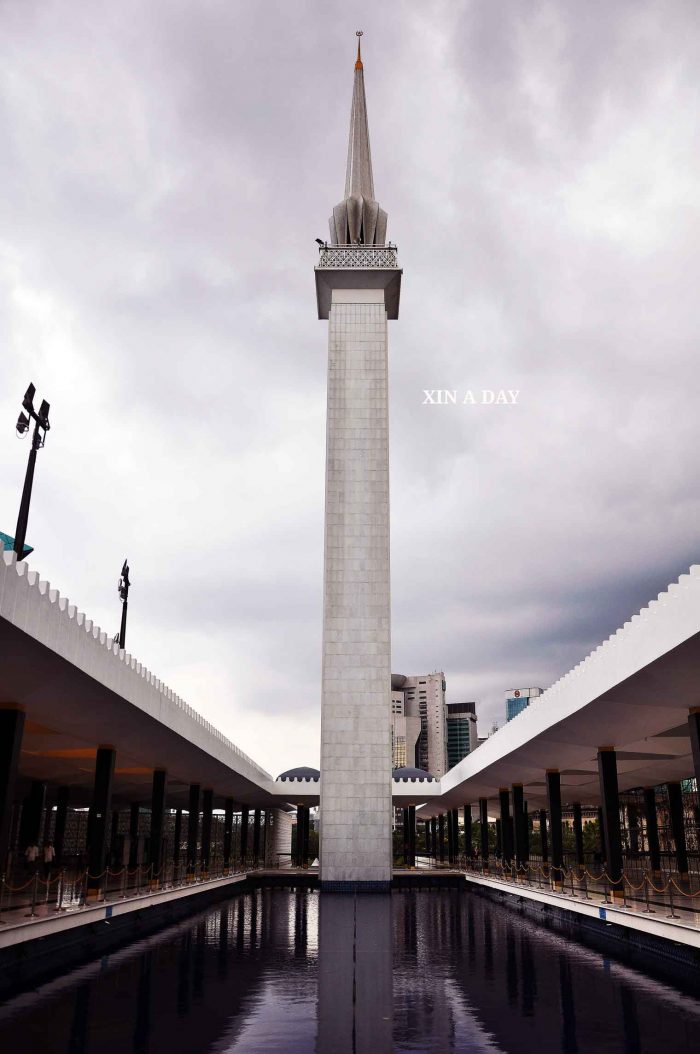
(409, 773)
(301, 773)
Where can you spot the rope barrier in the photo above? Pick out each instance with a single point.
(19, 889)
(560, 875)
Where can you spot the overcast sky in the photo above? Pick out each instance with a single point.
(165, 169)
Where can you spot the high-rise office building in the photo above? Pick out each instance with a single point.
(462, 735)
(405, 731)
(424, 699)
(517, 699)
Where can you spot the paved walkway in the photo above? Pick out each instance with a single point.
(682, 928)
(46, 916)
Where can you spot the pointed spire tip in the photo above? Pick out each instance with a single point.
(358, 64)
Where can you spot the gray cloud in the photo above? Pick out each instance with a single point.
(165, 170)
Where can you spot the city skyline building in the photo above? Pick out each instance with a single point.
(462, 731)
(357, 288)
(424, 700)
(405, 730)
(518, 699)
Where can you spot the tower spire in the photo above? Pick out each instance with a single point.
(358, 175)
(358, 219)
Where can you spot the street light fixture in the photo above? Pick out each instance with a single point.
(123, 591)
(41, 427)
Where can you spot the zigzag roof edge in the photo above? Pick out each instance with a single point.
(62, 607)
(629, 626)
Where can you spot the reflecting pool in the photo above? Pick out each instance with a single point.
(285, 972)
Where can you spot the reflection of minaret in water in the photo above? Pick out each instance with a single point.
(357, 287)
(355, 989)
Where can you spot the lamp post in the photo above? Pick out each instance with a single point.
(123, 591)
(41, 427)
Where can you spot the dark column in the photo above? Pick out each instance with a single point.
(694, 729)
(554, 810)
(11, 729)
(607, 775)
(506, 848)
(46, 829)
(484, 831)
(499, 840)
(113, 842)
(441, 837)
(455, 835)
(59, 830)
(519, 825)
(468, 832)
(134, 814)
(265, 838)
(434, 836)
(428, 828)
(302, 836)
(177, 839)
(544, 843)
(245, 816)
(601, 832)
(297, 836)
(300, 855)
(404, 821)
(193, 829)
(527, 827)
(228, 831)
(450, 837)
(32, 811)
(412, 835)
(307, 827)
(207, 808)
(578, 833)
(97, 818)
(155, 842)
(652, 825)
(675, 810)
(256, 837)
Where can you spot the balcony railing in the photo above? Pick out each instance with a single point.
(364, 256)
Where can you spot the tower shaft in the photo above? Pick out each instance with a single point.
(356, 702)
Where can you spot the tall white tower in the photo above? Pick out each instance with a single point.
(358, 282)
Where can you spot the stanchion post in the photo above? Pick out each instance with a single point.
(670, 894)
(648, 910)
(35, 887)
(606, 898)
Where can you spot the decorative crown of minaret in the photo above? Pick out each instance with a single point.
(358, 219)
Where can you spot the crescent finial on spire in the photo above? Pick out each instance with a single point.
(358, 64)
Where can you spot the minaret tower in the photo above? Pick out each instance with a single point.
(358, 282)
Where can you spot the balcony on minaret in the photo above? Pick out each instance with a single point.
(358, 267)
(357, 255)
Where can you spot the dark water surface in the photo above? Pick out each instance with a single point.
(293, 972)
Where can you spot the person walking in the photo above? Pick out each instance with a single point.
(31, 855)
(49, 857)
